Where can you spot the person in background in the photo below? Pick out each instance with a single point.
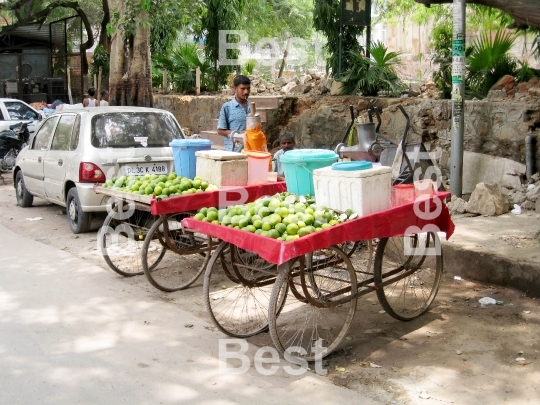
(104, 102)
(232, 117)
(90, 101)
(286, 143)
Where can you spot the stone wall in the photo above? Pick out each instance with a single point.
(496, 128)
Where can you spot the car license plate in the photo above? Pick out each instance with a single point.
(140, 169)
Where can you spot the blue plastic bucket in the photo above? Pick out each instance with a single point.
(298, 165)
(184, 155)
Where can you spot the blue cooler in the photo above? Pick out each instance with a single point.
(184, 155)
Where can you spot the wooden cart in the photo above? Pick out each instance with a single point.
(144, 235)
(305, 292)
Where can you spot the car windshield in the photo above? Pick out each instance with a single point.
(134, 129)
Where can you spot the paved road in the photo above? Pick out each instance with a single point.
(71, 333)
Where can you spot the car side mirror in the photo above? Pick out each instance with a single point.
(40, 117)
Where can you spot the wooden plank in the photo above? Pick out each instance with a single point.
(143, 199)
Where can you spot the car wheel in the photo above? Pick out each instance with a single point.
(24, 198)
(79, 221)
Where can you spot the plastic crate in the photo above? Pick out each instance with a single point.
(363, 191)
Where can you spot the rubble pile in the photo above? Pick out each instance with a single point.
(493, 200)
(527, 196)
(312, 81)
(507, 88)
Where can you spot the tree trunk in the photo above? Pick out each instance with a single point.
(130, 77)
(525, 12)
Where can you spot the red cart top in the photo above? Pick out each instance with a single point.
(223, 197)
(429, 215)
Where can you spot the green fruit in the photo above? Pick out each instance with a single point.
(204, 211)
(162, 178)
(212, 215)
(266, 226)
(291, 238)
(282, 212)
(148, 190)
(328, 216)
(324, 226)
(259, 231)
(172, 176)
(157, 190)
(196, 183)
(226, 220)
(333, 222)
(274, 219)
(215, 222)
(301, 224)
(243, 222)
(165, 191)
(236, 220)
(292, 229)
(303, 231)
(308, 219)
(204, 185)
(199, 216)
(257, 224)
(183, 186)
(264, 233)
(281, 228)
(273, 234)
(221, 214)
(264, 212)
(274, 204)
(173, 189)
(256, 218)
(290, 219)
(251, 228)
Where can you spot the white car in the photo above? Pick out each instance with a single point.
(75, 149)
(13, 111)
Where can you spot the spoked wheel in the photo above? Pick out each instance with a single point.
(407, 273)
(319, 308)
(362, 261)
(121, 239)
(185, 258)
(237, 288)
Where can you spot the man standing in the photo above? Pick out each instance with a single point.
(232, 117)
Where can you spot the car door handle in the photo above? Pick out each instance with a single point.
(60, 162)
(39, 159)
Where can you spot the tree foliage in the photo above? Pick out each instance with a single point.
(369, 76)
(219, 15)
(326, 18)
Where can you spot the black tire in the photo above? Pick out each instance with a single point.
(314, 311)
(408, 283)
(24, 198)
(79, 221)
(121, 240)
(237, 288)
(175, 269)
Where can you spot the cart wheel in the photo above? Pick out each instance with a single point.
(186, 254)
(407, 282)
(237, 290)
(362, 260)
(121, 239)
(323, 314)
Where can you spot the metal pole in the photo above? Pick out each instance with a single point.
(458, 93)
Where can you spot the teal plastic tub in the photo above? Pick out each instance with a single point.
(298, 165)
(184, 155)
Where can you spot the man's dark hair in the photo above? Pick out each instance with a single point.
(286, 135)
(91, 91)
(103, 92)
(241, 79)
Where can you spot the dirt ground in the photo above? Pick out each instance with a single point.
(457, 353)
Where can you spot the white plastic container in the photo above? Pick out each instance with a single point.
(222, 168)
(363, 191)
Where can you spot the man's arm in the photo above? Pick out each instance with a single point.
(223, 124)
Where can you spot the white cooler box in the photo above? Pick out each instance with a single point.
(363, 191)
(222, 168)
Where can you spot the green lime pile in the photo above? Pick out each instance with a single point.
(160, 186)
(284, 217)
